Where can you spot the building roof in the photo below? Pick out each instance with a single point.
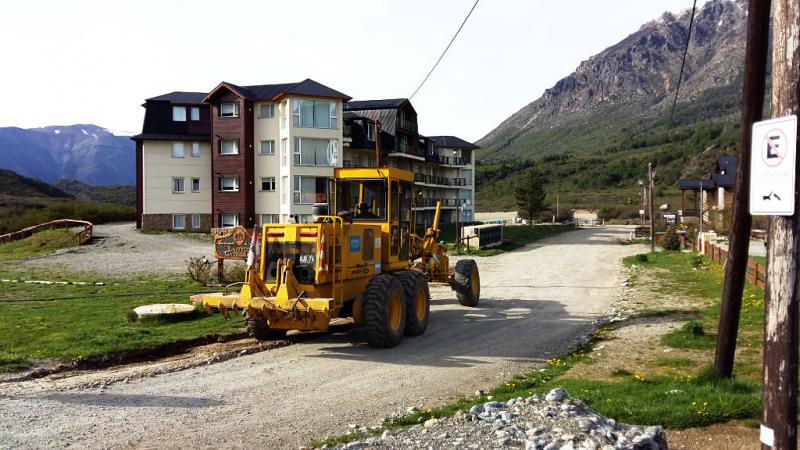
(170, 137)
(388, 103)
(353, 116)
(453, 142)
(307, 87)
(181, 97)
(724, 176)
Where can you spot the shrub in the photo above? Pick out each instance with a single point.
(200, 269)
(641, 257)
(671, 240)
(234, 271)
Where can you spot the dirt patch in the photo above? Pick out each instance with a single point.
(718, 437)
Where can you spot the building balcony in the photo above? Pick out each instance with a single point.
(408, 125)
(446, 202)
(453, 161)
(440, 181)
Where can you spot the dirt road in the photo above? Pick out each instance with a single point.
(536, 302)
(119, 249)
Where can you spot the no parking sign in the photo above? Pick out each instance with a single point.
(772, 168)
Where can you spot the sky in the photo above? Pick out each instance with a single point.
(81, 61)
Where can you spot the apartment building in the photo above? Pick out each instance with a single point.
(237, 155)
(443, 166)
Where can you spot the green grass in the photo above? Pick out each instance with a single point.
(38, 244)
(94, 321)
(688, 396)
(517, 236)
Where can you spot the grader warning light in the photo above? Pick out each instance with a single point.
(361, 258)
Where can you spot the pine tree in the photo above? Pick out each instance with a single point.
(530, 195)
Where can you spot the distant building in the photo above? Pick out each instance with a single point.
(715, 193)
(248, 155)
(584, 217)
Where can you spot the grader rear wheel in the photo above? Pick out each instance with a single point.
(257, 327)
(384, 311)
(467, 282)
(418, 302)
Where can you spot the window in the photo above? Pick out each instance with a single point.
(315, 152)
(195, 113)
(284, 113)
(196, 149)
(370, 131)
(178, 222)
(195, 221)
(229, 147)
(269, 218)
(229, 184)
(177, 149)
(284, 190)
(267, 110)
(366, 198)
(310, 190)
(177, 185)
(229, 110)
(284, 152)
(268, 184)
(315, 114)
(195, 184)
(179, 114)
(267, 147)
(228, 220)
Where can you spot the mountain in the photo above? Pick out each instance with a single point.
(87, 153)
(592, 135)
(19, 186)
(118, 194)
(631, 80)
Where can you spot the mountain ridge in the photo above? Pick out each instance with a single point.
(83, 152)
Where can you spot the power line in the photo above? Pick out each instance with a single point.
(445, 50)
(683, 63)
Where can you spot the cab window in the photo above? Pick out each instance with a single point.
(364, 199)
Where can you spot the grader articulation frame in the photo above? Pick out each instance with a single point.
(364, 262)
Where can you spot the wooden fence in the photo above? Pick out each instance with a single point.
(81, 236)
(755, 271)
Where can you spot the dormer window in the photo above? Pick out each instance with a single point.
(179, 114)
(228, 110)
(370, 131)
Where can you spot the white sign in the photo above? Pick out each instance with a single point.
(773, 154)
(641, 212)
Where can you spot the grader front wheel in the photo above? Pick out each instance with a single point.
(257, 327)
(384, 311)
(418, 302)
(467, 282)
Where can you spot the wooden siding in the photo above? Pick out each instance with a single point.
(240, 165)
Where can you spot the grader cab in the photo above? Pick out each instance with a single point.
(361, 258)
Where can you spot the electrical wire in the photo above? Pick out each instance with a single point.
(683, 63)
(445, 50)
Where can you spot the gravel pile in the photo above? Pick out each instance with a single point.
(556, 422)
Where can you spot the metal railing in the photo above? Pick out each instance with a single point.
(442, 181)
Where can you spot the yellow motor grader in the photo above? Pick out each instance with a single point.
(364, 261)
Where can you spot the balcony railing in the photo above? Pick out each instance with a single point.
(309, 198)
(409, 125)
(442, 181)
(446, 202)
(452, 160)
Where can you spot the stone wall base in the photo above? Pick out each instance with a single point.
(163, 222)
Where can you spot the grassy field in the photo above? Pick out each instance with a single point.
(64, 323)
(39, 244)
(674, 386)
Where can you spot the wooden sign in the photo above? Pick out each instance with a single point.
(231, 243)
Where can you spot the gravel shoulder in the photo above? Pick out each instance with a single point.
(537, 302)
(119, 249)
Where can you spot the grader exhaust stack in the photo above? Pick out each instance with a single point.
(363, 262)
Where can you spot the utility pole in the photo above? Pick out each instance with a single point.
(641, 202)
(650, 201)
(755, 75)
(779, 416)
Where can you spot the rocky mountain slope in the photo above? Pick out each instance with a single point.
(87, 153)
(635, 78)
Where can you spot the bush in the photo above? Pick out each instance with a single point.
(17, 218)
(641, 257)
(200, 270)
(235, 271)
(671, 240)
